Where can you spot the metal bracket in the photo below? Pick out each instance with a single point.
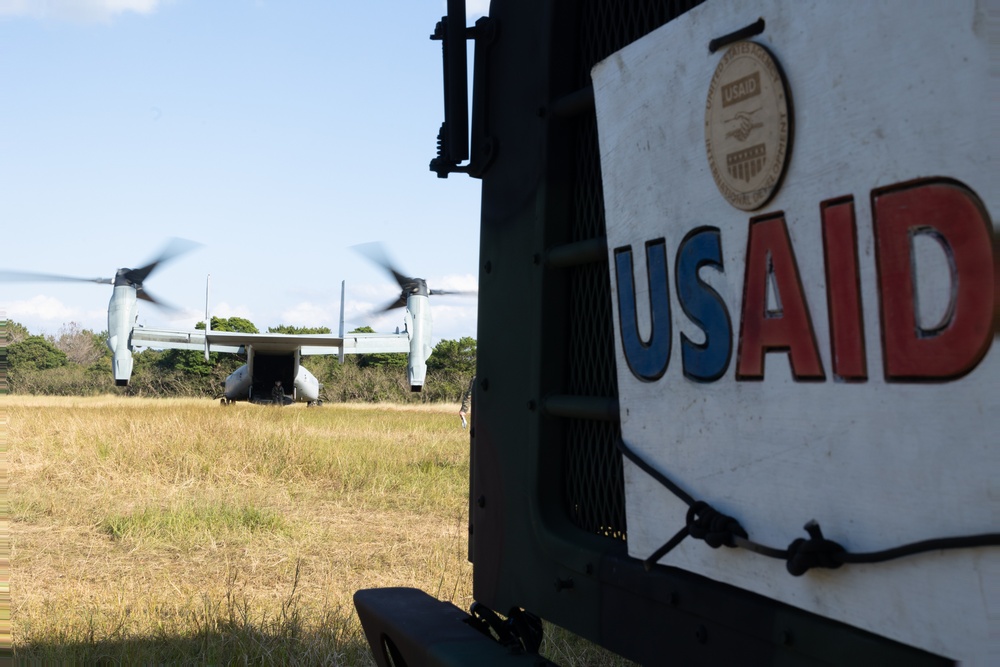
(406, 626)
(453, 138)
(521, 631)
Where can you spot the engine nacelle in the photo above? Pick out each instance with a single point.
(123, 313)
(121, 367)
(306, 386)
(238, 384)
(418, 323)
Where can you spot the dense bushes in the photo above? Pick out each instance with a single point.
(351, 383)
(45, 365)
(67, 380)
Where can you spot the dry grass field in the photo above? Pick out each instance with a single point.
(176, 531)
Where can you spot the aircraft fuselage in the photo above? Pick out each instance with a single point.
(255, 380)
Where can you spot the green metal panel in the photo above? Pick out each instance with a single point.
(547, 521)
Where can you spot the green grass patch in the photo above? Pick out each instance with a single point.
(188, 521)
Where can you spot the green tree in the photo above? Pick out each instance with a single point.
(14, 332)
(380, 359)
(206, 374)
(34, 353)
(104, 361)
(449, 369)
(457, 356)
(287, 329)
(230, 324)
(187, 361)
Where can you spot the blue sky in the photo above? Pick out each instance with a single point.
(276, 134)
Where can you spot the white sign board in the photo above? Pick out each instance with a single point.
(800, 240)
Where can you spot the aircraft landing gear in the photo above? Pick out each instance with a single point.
(225, 401)
(314, 404)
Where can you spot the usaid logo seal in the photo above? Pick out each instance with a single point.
(747, 126)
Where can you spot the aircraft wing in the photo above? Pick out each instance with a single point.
(237, 342)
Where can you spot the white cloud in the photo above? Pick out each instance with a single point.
(460, 282)
(44, 308)
(454, 321)
(45, 314)
(186, 317)
(307, 314)
(365, 313)
(77, 10)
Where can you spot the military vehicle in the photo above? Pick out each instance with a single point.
(736, 395)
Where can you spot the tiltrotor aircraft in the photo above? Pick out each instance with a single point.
(271, 357)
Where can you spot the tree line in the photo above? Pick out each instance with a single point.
(77, 362)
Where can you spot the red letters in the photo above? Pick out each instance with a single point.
(957, 218)
(770, 256)
(843, 285)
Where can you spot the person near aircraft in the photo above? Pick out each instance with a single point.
(467, 402)
(278, 394)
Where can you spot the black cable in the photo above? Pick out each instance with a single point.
(653, 472)
(936, 544)
(717, 529)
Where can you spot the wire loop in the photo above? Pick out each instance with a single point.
(717, 529)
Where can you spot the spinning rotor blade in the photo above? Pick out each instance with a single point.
(398, 303)
(143, 293)
(409, 285)
(376, 253)
(454, 292)
(173, 248)
(135, 277)
(28, 276)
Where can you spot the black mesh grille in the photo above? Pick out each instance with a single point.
(594, 487)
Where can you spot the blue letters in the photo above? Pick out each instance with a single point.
(647, 360)
(708, 361)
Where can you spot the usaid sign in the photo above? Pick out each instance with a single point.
(800, 203)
